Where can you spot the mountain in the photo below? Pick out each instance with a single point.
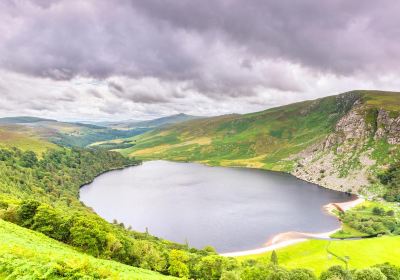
(66, 133)
(173, 119)
(22, 119)
(341, 142)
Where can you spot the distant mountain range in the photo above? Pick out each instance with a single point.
(129, 124)
(83, 134)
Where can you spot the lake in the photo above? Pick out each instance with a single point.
(232, 209)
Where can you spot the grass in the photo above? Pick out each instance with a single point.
(366, 252)
(312, 254)
(24, 140)
(264, 139)
(269, 139)
(348, 232)
(25, 254)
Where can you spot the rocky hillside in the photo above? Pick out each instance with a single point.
(341, 142)
(364, 141)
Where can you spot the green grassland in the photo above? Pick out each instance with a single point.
(264, 139)
(269, 139)
(24, 139)
(312, 254)
(25, 252)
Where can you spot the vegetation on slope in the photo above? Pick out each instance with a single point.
(42, 194)
(264, 139)
(339, 142)
(391, 179)
(25, 253)
(64, 133)
(24, 139)
(372, 219)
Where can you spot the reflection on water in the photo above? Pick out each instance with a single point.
(231, 209)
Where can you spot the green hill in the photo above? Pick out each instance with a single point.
(65, 133)
(154, 123)
(24, 253)
(338, 142)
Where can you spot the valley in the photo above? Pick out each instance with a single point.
(348, 143)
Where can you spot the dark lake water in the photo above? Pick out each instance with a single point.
(232, 209)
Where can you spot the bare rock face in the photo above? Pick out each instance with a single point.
(348, 129)
(388, 128)
(340, 161)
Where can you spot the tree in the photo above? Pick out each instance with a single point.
(230, 275)
(391, 272)
(210, 267)
(379, 211)
(369, 274)
(255, 272)
(28, 159)
(148, 256)
(336, 273)
(26, 212)
(279, 273)
(51, 222)
(302, 274)
(390, 213)
(178, 260)
(87, 235)
(274, 258)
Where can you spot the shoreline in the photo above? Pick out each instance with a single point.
(280, 240)
(285, 239)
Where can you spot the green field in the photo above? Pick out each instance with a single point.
(312, 254)
(24, 252)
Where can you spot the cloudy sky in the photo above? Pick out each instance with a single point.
(140, 59)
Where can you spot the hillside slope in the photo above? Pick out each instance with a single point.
(65, 133)
(338, 141)
(173, 119)
(24, 252)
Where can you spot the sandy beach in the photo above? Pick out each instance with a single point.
(289, 238)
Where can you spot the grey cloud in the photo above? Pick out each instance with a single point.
(215, 47)
(340, 36)
(141, 96)
(115, 86)
(95, 93)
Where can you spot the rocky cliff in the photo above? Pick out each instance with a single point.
(364, 140)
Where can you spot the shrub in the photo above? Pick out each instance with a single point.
(369, 274)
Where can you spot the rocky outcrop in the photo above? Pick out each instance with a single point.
(388, 127)
(343, 161)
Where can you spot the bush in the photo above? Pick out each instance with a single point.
(178, 260)
(369, 274)
(302, 274)
(390, 271)
(336, 273)
(26, 212)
